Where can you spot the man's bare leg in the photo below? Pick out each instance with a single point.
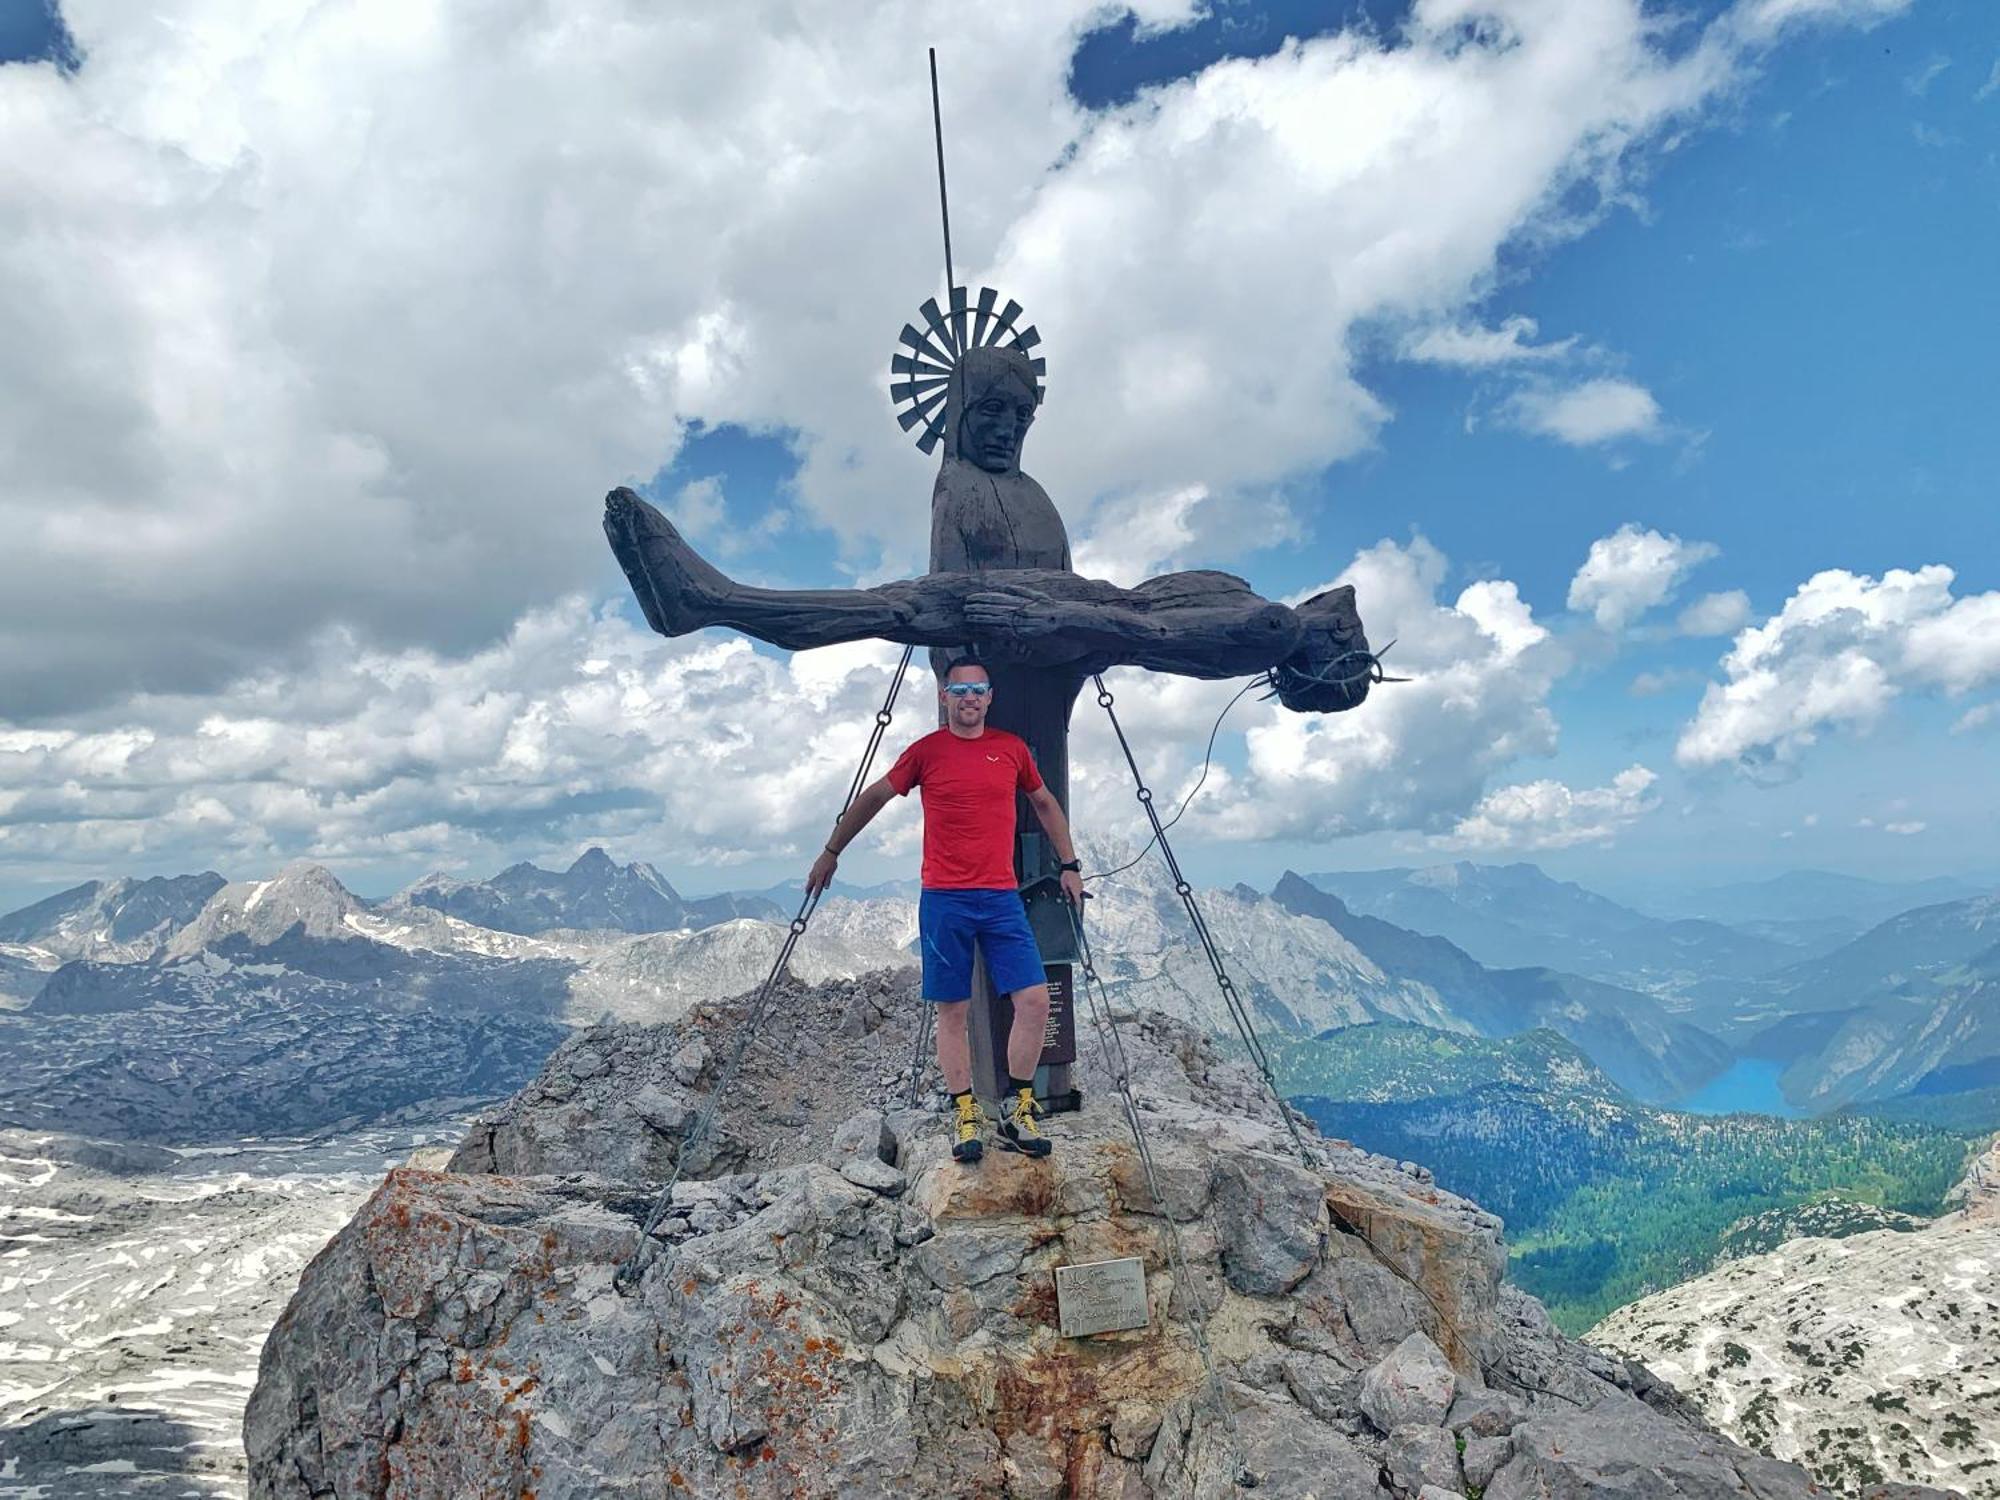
(954, 1045)
(1024, 1041)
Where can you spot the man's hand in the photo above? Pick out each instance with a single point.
(1072, 888)
(820, 876)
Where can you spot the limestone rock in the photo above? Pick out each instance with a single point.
(1422, 1455)
(1270, 1214)
(1626, 1448)
(797, 1331)
(864, 1134)
(1484, 1414)
(1413, 1385)
(1483, 1458)
(874, 1174)
(1856, 1357)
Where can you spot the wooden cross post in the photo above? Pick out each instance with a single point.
(969, 381)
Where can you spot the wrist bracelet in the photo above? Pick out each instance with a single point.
(833, 851)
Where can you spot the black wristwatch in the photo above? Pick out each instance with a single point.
(1071, 864)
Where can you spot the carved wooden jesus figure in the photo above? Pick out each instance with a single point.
(1001, 579)
(1001, 583)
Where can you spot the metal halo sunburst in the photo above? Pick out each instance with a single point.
(922, 371)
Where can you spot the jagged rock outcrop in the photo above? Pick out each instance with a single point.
(1976, 1196)
(850, 1313)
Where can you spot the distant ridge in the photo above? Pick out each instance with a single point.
(120, 920)
(595, 893)
(1517, 916)
(1654, 1054)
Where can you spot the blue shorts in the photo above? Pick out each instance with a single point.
(947, 924)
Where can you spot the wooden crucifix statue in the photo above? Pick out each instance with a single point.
(1001, 585)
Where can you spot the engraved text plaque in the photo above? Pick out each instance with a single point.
(1101, 1296)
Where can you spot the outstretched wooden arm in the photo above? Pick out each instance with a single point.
(1197, 624)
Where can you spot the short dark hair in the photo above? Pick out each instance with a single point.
(965, 661)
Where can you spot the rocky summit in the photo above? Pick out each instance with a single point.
(835, 1308)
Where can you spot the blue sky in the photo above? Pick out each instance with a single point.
(1784, 297)
(1804, 283)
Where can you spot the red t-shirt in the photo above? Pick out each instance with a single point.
(969, 787)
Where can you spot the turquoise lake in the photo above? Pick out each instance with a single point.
(1750, 1084)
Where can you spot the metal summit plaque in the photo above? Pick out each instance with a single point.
(1102, 1296)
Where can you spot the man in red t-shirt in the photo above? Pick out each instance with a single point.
(969, 775)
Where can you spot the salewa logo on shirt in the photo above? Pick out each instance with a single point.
(993, 758)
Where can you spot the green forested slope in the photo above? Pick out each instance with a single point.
(1604, 1199)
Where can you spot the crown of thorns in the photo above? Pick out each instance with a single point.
(921, 372)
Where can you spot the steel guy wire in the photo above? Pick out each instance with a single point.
(625, 1278)
(1248, 1031)
(1232, 1001)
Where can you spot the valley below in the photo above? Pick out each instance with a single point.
(201, 1081)
(138, 1283)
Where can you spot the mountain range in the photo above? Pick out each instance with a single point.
(1907, 1008)
(290, 1005)
(1631, 1036)
(1900, 1008)
(1901, 1011)
(1515, 916)
(595, 893)
(1815, 908)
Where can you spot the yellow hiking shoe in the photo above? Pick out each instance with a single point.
(971, 1127)
(1018, 1130)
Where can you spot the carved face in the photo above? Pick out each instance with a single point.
(991, 430)
(995, 420)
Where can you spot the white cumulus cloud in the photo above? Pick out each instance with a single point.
(1630, 572)
(1550, 815)
(701, 752)
(577, 728)
(1418, 754)
(1715, 614)
(1839, 653)
(1602, 410)
(1471, 346)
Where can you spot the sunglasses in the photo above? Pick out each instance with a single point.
(973, 689)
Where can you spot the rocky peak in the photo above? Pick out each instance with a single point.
(595, 892)
(593, 863)
(302, 895)
(834, 1307)
(123, 920)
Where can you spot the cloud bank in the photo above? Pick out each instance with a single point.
(329, 324)
(1838, 655)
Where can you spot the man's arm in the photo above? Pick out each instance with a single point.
(872, 799)
(1043, 801)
